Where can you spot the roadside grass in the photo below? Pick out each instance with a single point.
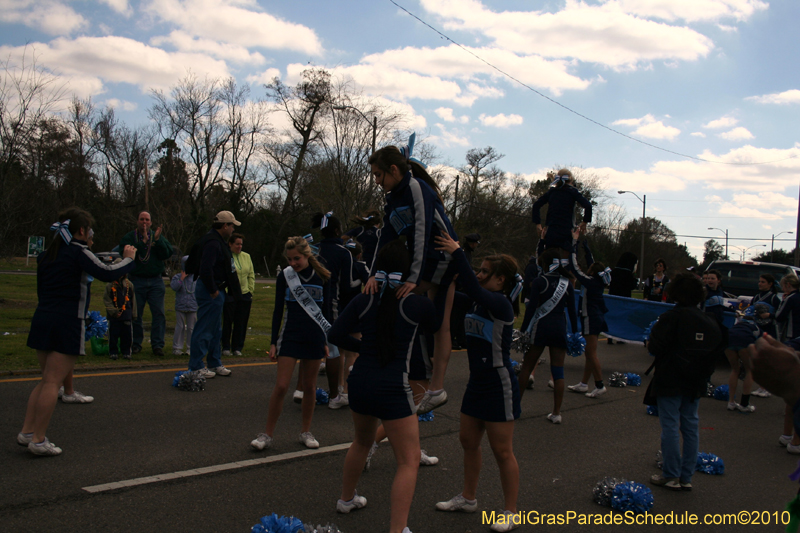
(18, 302)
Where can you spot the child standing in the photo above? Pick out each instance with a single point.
(120, 303)
(185, 309)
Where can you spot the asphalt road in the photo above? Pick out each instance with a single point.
(139, 426)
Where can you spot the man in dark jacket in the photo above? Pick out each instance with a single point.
(685, 342)
(212, 265)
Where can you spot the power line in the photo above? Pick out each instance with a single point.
(556, 102)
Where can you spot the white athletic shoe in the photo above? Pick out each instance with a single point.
(356, 503)
(597, 392)
(458, 503)
(578, 387)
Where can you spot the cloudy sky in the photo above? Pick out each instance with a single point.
(715, 80)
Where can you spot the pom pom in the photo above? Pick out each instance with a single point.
(427, 417)
(721, 393)
(618, 379)
(634, 380)
(96, 325)
(576, 344)
(520, 341)
(190, 381)
(709, 390)
(632, 496)
(327, 528)
(322, 397)
(652, 410)
(277, 524)
(604, 490)
(647, 330)
(710, 464)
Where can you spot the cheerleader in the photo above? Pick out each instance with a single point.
(768, 296)
(414, 209)
(491, 402)
(58, 324)
(379, 388)
(788, 315)
(546, 323)
(367, 233)
(301, 336)
(592, 309)
(560, 200)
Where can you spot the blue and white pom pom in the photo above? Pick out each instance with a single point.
(327, 528)
(96, 326)
(652, 410)
(632, 496)
(278, 524)
(618, 379)
(322, 397)
(427, 417)
(709, 463)
(576, 344)
(603, 492)
(190, 381)
(721, 393)
(634, 380)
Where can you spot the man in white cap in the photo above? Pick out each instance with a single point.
(212, 265)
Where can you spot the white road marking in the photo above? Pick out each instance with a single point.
(211, 469)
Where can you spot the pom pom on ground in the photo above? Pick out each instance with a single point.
(327, 528)
(576, 344)
(721, 393)
(322, 397)
(632, 496)
(190, 381)
(618, 379)
(634, 380)
(427, 417)
(277, 524)
(520, 341)
(604, 490)
(709, 463)
(652, 410)
(96, 325)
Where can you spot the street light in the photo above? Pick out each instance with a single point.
(726, 240)
(772, 248)
(373, 122)
(644, 206)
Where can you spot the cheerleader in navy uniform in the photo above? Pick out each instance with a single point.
(58, 324)
(560, 200)
(379, 389)
(592, 311)
(788, 314)
(367, 234)
(414, 209)
(301, 335)
(491, 401)
(547, 325)
(768, 296)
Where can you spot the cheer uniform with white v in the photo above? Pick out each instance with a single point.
(299, 336)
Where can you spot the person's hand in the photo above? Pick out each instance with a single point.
(582, 228)
(775, 366)
(446, 243)
(371, 287)
(157, 234)
(129, 252)
(405, 289)
(216, 293)
(273, 352)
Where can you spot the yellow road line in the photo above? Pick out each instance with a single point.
(130, 373)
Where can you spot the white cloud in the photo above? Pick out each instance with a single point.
(501, 120)
(724, 122)
(229, 21)
(229, 52)
(786, 97)
(648, 126)
(49, 16)
(691, 10)
(121, 104)
(736, 134)
(446, 114)
(603, 34)
(698, 134)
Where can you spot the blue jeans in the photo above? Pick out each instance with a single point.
(207, 332)
(150, 291)
(678, 416)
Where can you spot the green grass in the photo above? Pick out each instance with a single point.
(18, 302)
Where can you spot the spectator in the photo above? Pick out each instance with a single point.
(236, 313)
(185, 309)
(152, 249)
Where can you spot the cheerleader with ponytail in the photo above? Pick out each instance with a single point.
(491, 402)
(301, 288)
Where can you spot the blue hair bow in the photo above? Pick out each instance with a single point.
(392, 280)
(325, 218)
(517, 288)
(606, 275)
(406, 151)
(62, 228)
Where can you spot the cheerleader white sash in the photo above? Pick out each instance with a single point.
(305, 300)
(550, 304)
